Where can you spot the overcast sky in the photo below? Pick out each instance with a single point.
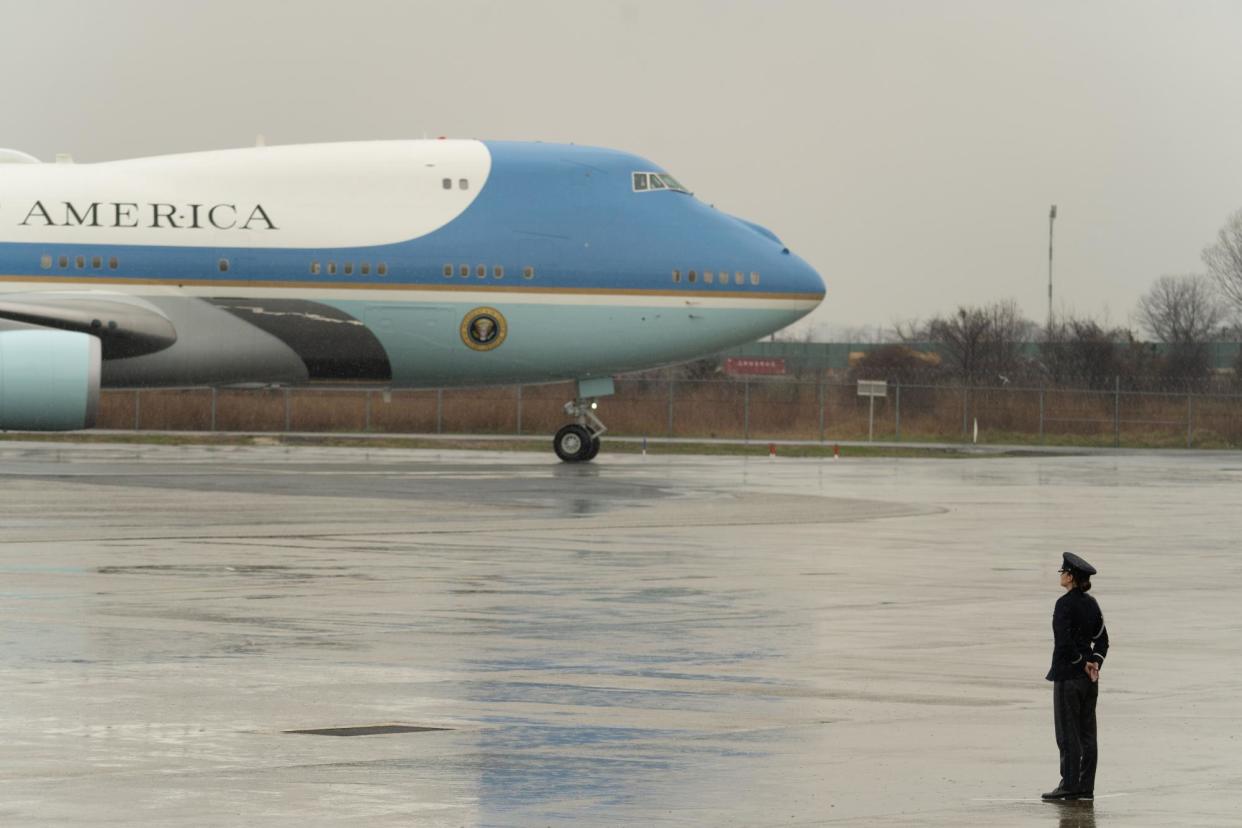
(908, 150)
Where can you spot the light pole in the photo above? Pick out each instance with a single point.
(1052, 216)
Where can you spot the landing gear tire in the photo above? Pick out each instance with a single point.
(575, 444)
(578, 442)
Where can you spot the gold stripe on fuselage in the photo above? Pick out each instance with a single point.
(704, 293)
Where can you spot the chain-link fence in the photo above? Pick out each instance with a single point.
(756, 409)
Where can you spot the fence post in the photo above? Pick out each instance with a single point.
(137, 409)
(965, 409)
(519, 409)
(1041, 415)
(1117, 412)
(1190, 419)
(897, 412)
(214, 393)
(820, 382)
(671, 383)
(288, 413)
(746, 406)
(439, 410)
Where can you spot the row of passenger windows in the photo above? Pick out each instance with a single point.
(710, 277)
(381, 269)
(78, 262)
(347, 268)
(462, 183)
(480, 271)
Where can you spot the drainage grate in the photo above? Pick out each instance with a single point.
(366, 730)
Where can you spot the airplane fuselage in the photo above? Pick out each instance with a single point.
(406, 263)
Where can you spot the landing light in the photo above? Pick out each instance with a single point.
(594, 406)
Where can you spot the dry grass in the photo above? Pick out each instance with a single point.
(727, 410)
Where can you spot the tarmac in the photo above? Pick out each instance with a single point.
(658, 640)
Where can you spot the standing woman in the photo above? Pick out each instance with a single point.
(1081, 643)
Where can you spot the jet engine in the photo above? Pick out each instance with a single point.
(49, 379)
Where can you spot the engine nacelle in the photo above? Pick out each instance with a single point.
(49, 380)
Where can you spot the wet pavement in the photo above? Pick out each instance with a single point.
(658, 641)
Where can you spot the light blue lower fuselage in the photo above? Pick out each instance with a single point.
(586, 275)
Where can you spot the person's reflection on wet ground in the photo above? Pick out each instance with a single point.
(1075, 814)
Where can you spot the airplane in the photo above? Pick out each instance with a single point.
(407, 264)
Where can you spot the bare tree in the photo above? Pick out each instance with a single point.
(982, 344)
(1224, 260)
(910, 331)
(1185, 313)
(1082, 351)
(864, 334)
(1181, 310)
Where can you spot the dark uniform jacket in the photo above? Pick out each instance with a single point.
(1079, 635)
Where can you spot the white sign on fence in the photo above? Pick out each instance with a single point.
(872, 388)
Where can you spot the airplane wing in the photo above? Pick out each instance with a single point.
(126, 326)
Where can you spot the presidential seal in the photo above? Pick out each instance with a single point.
(484, 329)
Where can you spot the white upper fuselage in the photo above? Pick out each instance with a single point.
(400, 242)
(309, 196)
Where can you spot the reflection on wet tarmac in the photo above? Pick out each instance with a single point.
(654, 641)
(1075, 814)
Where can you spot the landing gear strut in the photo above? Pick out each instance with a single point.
(578, 442)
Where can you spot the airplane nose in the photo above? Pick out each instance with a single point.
(802, 277)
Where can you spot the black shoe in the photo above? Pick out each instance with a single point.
(1086, 796)
(1059, 794)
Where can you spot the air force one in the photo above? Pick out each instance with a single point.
(399, 263)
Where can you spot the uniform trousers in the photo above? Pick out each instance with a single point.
(1073, 706)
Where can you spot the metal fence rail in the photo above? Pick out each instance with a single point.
(741, 409)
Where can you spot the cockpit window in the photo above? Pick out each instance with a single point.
(672, 183)
(648, 181)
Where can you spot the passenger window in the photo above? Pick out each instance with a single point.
(464, 271)
(528, 272)
(448, 271)
(366, 268)
(79, 262)
(315, 268)
(692, 277)
(481, 271)
(331, 268)
(754, 278)
(464, 183)
(45, 262)
(448, 183)
(349, 268)
(63, 261)
(677, 276)
(223, 264)
(112, 263)
(96, 262)
(382, 269)
(640, 181)
(498, 272)
(708, 277)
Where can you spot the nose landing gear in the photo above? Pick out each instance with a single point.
(578, 442)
